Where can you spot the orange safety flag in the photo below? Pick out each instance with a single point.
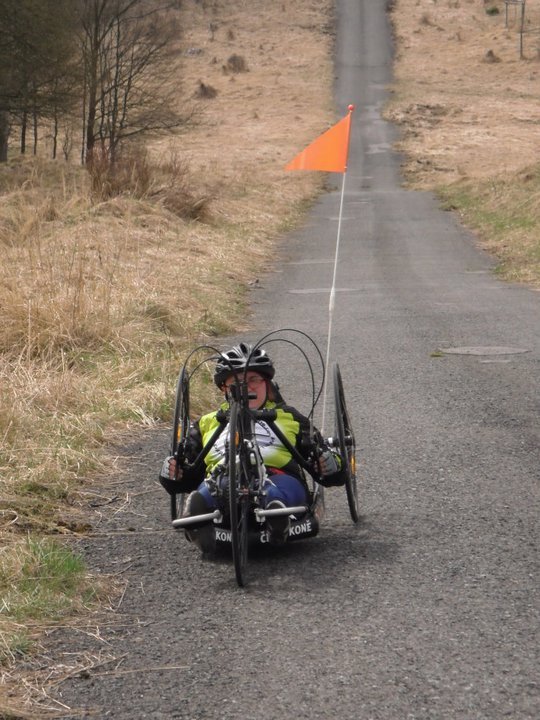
(329, 152)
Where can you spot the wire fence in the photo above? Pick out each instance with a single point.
(523, 17)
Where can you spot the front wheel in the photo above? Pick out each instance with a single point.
(238, 502)
(179, 433)
(347, 444)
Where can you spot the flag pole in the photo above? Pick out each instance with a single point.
(328, 153)
(332, 298)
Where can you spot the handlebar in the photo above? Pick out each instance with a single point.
(264, 415)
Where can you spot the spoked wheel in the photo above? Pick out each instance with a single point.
(238, 503)
(179, 432)
(347, 445)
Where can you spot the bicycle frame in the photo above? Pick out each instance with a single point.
(248, 474)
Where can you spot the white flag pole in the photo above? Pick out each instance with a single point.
(327, 153)
(332, 299)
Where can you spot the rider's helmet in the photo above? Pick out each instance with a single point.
(241, 358)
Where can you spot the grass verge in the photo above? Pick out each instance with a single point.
(505, 213)
(101, 301)
(39, 579)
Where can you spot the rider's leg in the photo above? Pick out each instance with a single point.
(208, 498)
(282, 491)
(286, 488)
(200, 502)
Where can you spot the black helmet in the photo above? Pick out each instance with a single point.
(242, 358)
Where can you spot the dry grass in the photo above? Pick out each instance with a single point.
(99, 306)
(486, 115)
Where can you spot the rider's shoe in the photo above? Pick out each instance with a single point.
(205, 535)
(277, 525)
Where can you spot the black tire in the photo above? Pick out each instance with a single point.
(181, 411)
(347, 445)
(238, 503)
(179, 432)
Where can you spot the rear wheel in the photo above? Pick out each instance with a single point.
(347, 445)
(238, 502)
(179, 432)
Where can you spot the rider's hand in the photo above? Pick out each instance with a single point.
(328, 463)
(169, 469)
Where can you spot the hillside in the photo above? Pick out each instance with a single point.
(466, 98)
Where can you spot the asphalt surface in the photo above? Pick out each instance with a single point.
(428, 609)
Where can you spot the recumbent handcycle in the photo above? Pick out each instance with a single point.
(241, 516)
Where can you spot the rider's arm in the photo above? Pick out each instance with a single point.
(182, 476)
(191, 476)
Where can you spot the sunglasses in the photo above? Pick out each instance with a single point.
(254, 382)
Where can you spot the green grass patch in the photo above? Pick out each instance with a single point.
(39, 578)
(505, 214)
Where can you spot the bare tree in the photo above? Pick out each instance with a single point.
(37, 68)
(114, 60)
(129, 53)
(10, 81)
(4, 135)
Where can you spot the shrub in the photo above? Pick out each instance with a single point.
(129, 173)
(205, 91)
(237, 64)
(176, 191)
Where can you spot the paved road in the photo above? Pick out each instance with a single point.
(429, 608)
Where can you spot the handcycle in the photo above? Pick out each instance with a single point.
(240, 516)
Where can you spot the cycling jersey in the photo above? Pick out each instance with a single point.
(276, 456)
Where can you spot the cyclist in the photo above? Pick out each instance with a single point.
(286, 485)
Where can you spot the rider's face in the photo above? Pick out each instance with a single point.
(256, 386)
